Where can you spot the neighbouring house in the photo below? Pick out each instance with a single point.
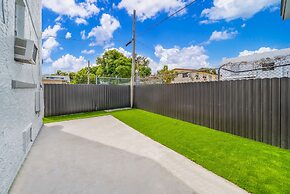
(21, 92)
(192, 75)
(55, 79)
(273, 64)
(285, 9)
(152, 79)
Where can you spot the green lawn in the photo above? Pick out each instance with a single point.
(53, 119)
(254, 166)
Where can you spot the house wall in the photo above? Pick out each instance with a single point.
(281, 59)
(277, 72)
(46, 81)
(17, 108)
(194, 77)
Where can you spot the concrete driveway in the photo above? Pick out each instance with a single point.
(103, 155)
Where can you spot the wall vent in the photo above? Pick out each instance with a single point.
(27, 137)
(25, 51)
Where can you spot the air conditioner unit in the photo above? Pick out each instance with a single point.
(25, 51)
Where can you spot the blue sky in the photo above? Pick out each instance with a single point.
(76, 31)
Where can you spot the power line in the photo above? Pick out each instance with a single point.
(121, 41)
(72, 39)
(168, 17)
(143, 44)
(163, 20)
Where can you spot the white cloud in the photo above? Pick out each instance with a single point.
(51, 31)
(232, 9)
(121, 50)
(275, 8)
(126, 53)
(260, 50)
(207, 22)
(47, 47)
(149, 8)
(58, 19)
(69, 63)
(222, 35)
(80, 21)
(83, 35)
(243, 25)
(88, 52)
(68, 36)
(154, 65)
(103, 34)
(72, 9)
(193, 57)
(49, 41)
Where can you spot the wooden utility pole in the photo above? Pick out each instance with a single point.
(88, 72)
(133, 59)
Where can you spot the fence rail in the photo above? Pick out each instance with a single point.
(256, 109)
(67, 99)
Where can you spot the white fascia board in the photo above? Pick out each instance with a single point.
(285, 9)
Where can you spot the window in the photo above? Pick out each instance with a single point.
(197, 76)
(268, 66)
(184, 75)
(19, 18)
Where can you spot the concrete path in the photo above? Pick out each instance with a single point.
(103, 155)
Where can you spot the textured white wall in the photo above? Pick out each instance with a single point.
(17, 105)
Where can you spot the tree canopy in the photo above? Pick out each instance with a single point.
(166, 75)
(208, 70)
(114, 64)
(111, 64)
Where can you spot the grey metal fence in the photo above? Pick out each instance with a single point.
(67, 99)
(256, 109)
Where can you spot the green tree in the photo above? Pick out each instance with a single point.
(110, 61)
(123, 71)
(81, 77)
(111, 64)
(114, 64)
(61, 73)
(166, 75)
(143, 66)
(208, 70)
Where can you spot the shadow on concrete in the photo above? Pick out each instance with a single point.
(63, 163)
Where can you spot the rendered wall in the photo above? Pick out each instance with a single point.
(17, 106)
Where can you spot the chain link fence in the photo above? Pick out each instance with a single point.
(126, 81)
(112, 81)
(266, 68)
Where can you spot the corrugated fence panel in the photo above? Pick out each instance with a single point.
(285, 113)
(68, 99)
(256, 109)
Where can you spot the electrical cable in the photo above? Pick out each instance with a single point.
(163, 20)
(167, 18)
